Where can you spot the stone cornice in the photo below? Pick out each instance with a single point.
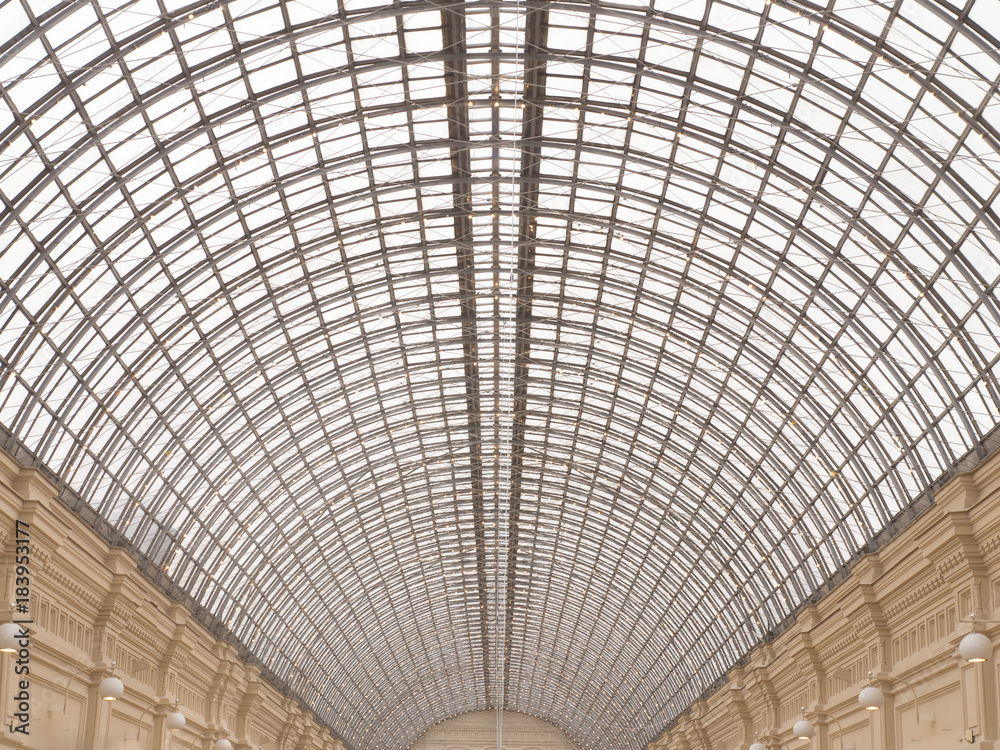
(915, 595)
(68, 585)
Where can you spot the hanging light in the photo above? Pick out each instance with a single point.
(804, 729)
(110, 689)
(871, 698)
(10, 635)
(974, 647)
(172, 721)
(223, 744)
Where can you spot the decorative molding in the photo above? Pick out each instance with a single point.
(68, 585)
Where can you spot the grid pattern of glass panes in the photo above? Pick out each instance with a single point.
(542, 354)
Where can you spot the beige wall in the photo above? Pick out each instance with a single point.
(90, 607)
(478, 731)
(899, 614)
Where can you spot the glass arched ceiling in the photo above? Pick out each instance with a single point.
(541, 353)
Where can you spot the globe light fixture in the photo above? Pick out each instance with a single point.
(223, 744)
(172, 721)
(175, 720)
(804, 729)
(110, 689)
(871, 698)
(757, 746)
(974, 647)
(10, 634)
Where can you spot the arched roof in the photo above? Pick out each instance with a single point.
(545, 353)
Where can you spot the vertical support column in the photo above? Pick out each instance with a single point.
(740, 710)
(252, 686)
(682, 738)
(958, 556)
(293, 726)
(696, 732)
(761, 691)
(810, 667)
(162, 737)
(174, 652)
(308, 737)
(98, 721)
(873, 631)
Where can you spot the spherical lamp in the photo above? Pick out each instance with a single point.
(10, 633)
(803, 729)
(757, 746)
(871, 698)
(223, 744)
(975, 647)
(175, 720)
(110, 689)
